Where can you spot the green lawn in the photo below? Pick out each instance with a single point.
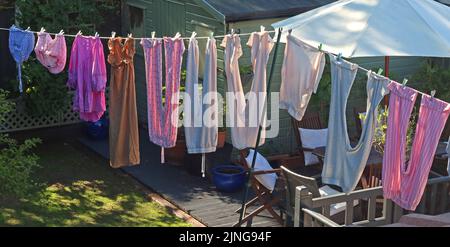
(77, 189)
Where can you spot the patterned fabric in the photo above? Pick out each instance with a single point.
(87, 76)
(52, 53)
(405, 183)
(163, 119)
(21, 44)
(344, 164)
(123, 120)
(201, 132)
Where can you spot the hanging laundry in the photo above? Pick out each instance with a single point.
(87, 76)
(123, 120)
(21, 44)
(344, 164)
(448, 153)
(244, 130)
(300, 76)
(405, 183)
(52, 53)
(163, 119)
(201, 122)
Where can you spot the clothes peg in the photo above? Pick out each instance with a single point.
(320, 47)
(79, 33)
(193, 35)
(61, 32)
(130, 35)
(232, 31)
(211, 35)
(380, 70)
(42, 29)
(96, 34)
(113, 34)
(153, 35)
(433, 93)
(339, 56)
(178, 35)
(28, 29)
(404, 82)
(290, 31)
(263, 29)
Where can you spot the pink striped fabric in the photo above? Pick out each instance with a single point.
(162, 130)
(404, 183)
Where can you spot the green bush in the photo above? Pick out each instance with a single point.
(17, 162)
(433, 77)
(46, 93)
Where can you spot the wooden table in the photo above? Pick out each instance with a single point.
(376, 158)
(372, 173)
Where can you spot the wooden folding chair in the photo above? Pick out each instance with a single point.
(265, 197)
(310, 121)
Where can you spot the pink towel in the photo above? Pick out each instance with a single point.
(405, 183)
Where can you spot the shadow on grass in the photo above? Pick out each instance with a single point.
(77, 190)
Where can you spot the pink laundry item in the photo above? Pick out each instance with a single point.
(163, 119)
(87, 76)
(52, 53)
(405, 183)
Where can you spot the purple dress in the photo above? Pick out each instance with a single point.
(87, 76)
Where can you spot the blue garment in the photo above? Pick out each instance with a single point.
(21, 44)
(344, 164)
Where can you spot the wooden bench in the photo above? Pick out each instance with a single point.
(313, 212)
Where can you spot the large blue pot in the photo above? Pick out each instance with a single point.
(98, 130)
(228, 178)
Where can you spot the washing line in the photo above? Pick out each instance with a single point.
(107, 38)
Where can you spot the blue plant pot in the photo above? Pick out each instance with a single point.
(98, 130)
(228, 178)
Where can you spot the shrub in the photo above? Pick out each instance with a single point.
(17, 162)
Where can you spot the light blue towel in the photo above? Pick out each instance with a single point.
(201, 131)
(21, 44)
(343, 164)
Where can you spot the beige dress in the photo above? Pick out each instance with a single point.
(123, 129)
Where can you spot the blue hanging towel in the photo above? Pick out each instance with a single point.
(21, 44)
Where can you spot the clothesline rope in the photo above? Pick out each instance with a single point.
(218, 37)
(107, 38)
(371, 71)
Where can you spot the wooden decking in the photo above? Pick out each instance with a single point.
(195, 195)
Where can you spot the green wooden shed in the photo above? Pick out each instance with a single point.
(167, 17)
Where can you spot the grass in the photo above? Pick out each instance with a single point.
(75, 189)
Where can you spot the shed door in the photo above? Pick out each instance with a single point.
(169, 17)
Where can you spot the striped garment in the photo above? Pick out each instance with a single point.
(405, 183)
(162, 129)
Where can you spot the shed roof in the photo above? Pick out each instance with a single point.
(240, 10)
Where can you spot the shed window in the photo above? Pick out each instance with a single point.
(136, 21)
